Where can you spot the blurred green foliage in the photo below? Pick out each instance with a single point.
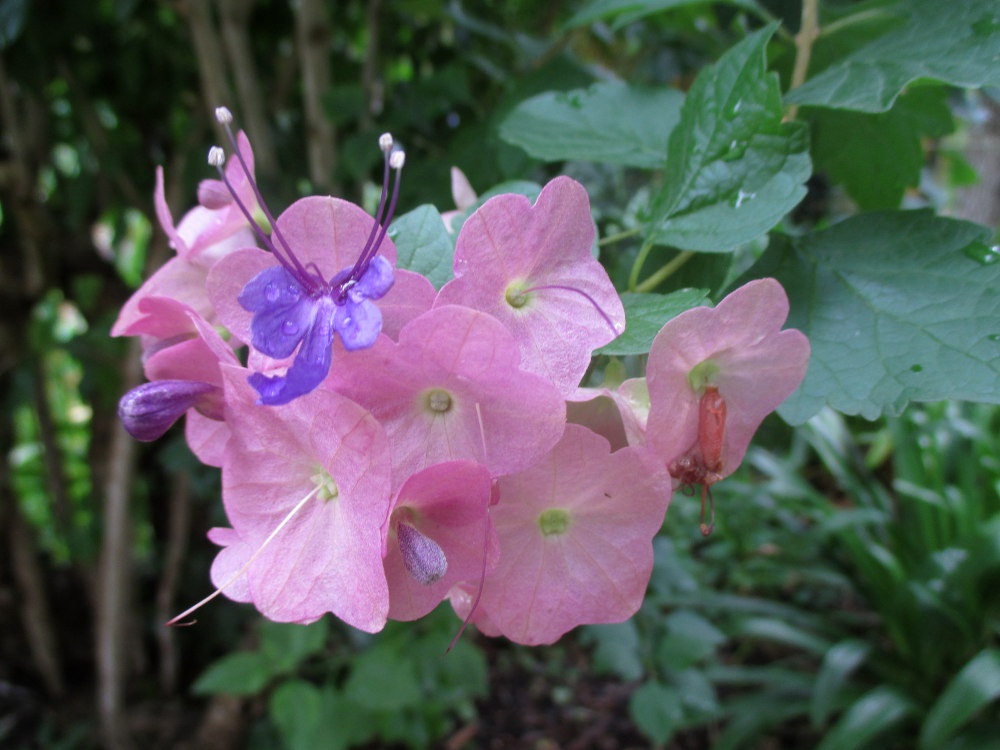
(847, 599)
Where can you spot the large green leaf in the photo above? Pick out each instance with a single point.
(735, 168)
(610, 122)
(689, 639)
(838, 664)
(286, 644)
(953, 42)
(423, 245)
(624, 12)
(309, 717)
(883, 155)
(238, 673)
(383, 678)
(645, 315)
(977, 685)
(656, 710)
(877, 711)
(899, 306)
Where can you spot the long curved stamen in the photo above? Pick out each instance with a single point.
(396, 160)
(217, 157)
(385, 143)
(224, 118)
(316, 273)
(486, 543)
(590, 299)
(242, 570)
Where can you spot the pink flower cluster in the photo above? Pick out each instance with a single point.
(388, 446)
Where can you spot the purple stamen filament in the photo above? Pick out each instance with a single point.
(589, 299)
(310, 277)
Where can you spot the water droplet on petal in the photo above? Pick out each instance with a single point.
(294, 291)
(289, 328)
(271, 292)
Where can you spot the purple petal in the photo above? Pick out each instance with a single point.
(149, 410)
(311, 364)
(376, 280)
(283, 313)
(358, 323)
(271, 287)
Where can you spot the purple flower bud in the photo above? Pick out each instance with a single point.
(423, 559)
(148, 411)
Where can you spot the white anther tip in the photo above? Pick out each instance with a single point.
(223, 115)
(397, 159)
(216, 156)
(385, 142)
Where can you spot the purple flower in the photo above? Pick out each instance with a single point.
(295, 307)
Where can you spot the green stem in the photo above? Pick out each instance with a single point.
(664, 272)
(808, 31)
(633, 277)
(616, 237)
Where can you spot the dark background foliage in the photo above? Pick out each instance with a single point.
(847, 595)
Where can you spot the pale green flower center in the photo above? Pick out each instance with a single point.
(328, 489)
(703, 374)
(553, 521)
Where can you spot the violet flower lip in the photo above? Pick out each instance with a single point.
(295, 306)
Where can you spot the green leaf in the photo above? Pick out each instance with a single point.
(782, 632)
(617, 649)
(689, 639)
(883, 155)
(296, 709)
(975, 686)
(875, 712)
(735, 168)
(656, 710)
(423, 245)
(645, 315)
(587, 124)
(625, 12)
(384, 678)
(697, 693)
(899, 306)
(957, 43)
(838, 663)
(240, 673)
(286, 645)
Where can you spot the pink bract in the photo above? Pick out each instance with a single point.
(576, 533)
(451, 389)
(447, 503)
(508, 247)
(739, 348)
(204, 236)
(328, 556)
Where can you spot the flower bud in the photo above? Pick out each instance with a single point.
(149, 410)
(423, 559)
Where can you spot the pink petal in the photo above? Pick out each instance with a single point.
(758, 367)
(448, 503)
(594, 571)
(510, 242)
